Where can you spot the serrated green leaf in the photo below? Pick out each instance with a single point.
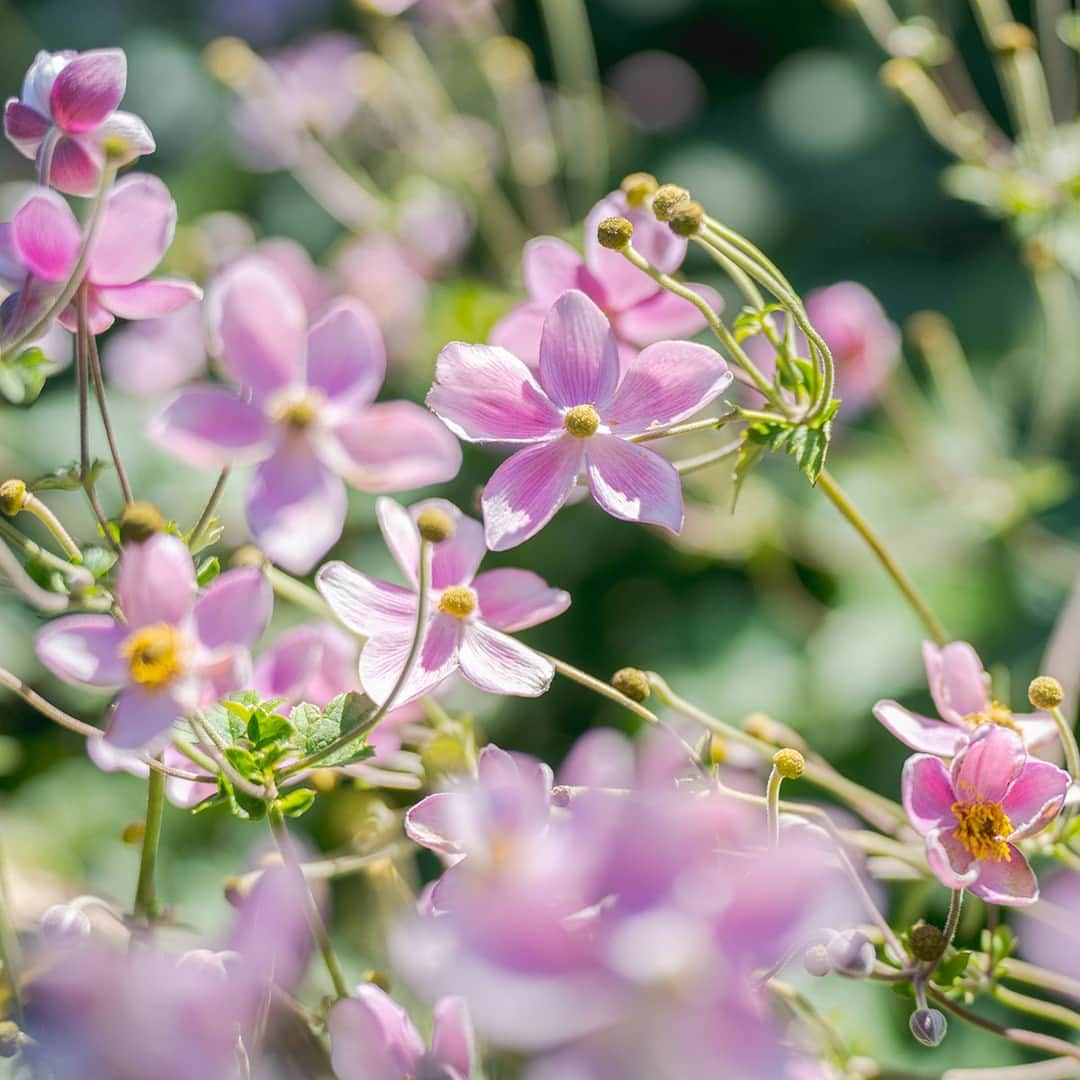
(211, 534)
(66, 478)
(953, 968)
(349, 754)
(208, 570)
(242, 806)
(245, 763)
(316, 729)
(297, 802)
(229, 727)
(266, 727)
(809, 447)
(98, 560)
(23, 377)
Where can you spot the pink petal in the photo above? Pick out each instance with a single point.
(666, 383)
(392, 446)
(485, 394)
(950, 861)
(984, 770)
(141, 720)
(295, 508)
(45, 236)
(159, 355)
(453, 1043)
(519, 332)
(958, 683)
(920, 732)
(211, 427)
(1036, 798)
(235, 609)
(258, 326)
(136, 231)
(88, 89)
(109, 758)
(84, 649)
(1008, 882)
(127, 130)
(12, 271)
(928, 794)
(664, 316)
(432, 822)
(148, 299)
(549, 267)
(40, 76)
(346, 358)
(497, 663)
(511, 600)
(634, 483)
(365, 605)
(527, 489)
(156, 581)
(372, 1038)
(76, 166)
(220, 672)
(313, 662)
(98, 318)
(383, 660)
(25, 127)
(579, 357)
(1038, 729)
(453, 562)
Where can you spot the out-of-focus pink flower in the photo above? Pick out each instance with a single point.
(156, 356)
(175, 652)
(1052, 940)
(961, 691)
(579, 417)
(974, 813)
(372, 1038)
(301, 407)
(180, 792)
(470, 616)
(640, 311)
(68, 115)
(434, 228)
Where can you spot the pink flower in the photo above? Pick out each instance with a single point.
(1051, 938)
(156, 356)
(175, 651)
(974, 813)
(301, 407)
(579, 417)
(68, 112)
(372, 1038)
(470, 617)
(641, 312)
(961, 691)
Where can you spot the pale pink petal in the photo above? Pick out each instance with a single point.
(486, 394)
(142, 720)
(1038, 729)
(25, 127)
(392, 446)
(928, 793)
(1036, 798)
(235, 609)
(511, 600)
(366, 605)
(958, 683)
(984, 770)
(12, 271)
(148, 299)
(346, 358)
(383, 660)
(84, 649)
(634, 483)
(549, 267)
(45, 236)
(1008, 882)
(40, 76)
(579, 357)
(220, 672)
(124, 129)
(292, 260)
(156, 581)
(399, 531)
(158, 355)
(76, 166)
(453, 562)
(136, 231)
(949, 859)
(664, 316)
(453, 1043)
(432, 822)
(666, 383)
(109, 758)
(499, 664)
(88, 89)
(211, 427)
(295, 508)
(920, 732)
(372, 1038)
(98, 318)
(519, 331)
(313, 662)
(527, 489)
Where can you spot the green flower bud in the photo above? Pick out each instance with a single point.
(686, 218)
(12, 497)
(1045, 692)
(614, 233)
(139, 521)
(435, 525)
(248, 555)
(789, 763)
(631, 683)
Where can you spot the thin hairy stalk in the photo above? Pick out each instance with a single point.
(602, 688)
(106, 423)
(82, 372)
(50, 603)
(10, 952)
(1051, 1069)
(145, 893)
(705, 461)
(1031, 975)
(200, 526)
(215, 747)
(33, 505)
(1045, 1010)
(804, 1008)
(708, 424)
(772, 805)
(296, 592)
(331, 869)
(1068, 743)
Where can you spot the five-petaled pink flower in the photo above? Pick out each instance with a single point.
(580, 417)
(174, 652)
(961, 691)
(469, 617)
(640, 310)
(68, 114)
(301, 408)
(973, 813)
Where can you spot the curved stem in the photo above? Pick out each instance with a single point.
(206, 516)
(145, 898)
(1045, 1010)
(43, 599)
(106, 423)
(1068, 743)
(82, 370)
(33, 505)
(772, 806)
(708, 459)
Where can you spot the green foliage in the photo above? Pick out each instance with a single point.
(808, 445)
(22, 377)
(317, 729)
(67, 478)
(207, 571)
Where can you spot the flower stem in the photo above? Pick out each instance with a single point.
(772, 806)
(10, 952)
(708, 424)
(103, 409)
(952, 920)
(206, 516)
(33, 505)
(1045, 1010)
(828, 485)
(43, 599)
(708, 459)
(145, 898)
(296, 592)
(1068, 742)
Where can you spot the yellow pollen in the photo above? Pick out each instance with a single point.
(155, 655)
(983, 828)
(997, 714)
(297, 410)
(458, 600)
(581, 421)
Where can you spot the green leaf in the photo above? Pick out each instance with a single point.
(316, 729)
(349, 754)
(266, 727)
(296, 802)
(242, 806)
(245, 763)
(809, 446)
(98, 560)
(66, 478)
(226, 724)
(22, 378)
(953, 968)
(210, 536)
(208, 570)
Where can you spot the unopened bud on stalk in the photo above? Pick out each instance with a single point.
(851, 952)
(638, 186)
(632, 683)
(789, 763)
(63, 926)
(666, 199)
(229, 59)
(927, 942)
(139, 521)
(614, 233)
(928, 1026)
(12, 497)
(1046, 692)
(1013, 37)
(686, 218)
(435, 525)
(816, 961)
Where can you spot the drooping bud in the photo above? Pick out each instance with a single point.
(1013, 37)
(686, 218)
(614, 233)
(139, 521)
(666, 199)
(852, 953)
(1046, 692)
(64, 926)
(816, 961)
(927, 942)
(632, 683)
(790, 764)
(435, 525)
(12, 497)
(928, 1026)
(638, 186)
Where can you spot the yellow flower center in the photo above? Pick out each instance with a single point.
(155, 655)
(983, 828)
(458, 600)
(997, 714)
(581, 421)
(298, 410)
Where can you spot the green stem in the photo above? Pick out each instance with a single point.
(296, 592)
(33, 505)
(1068, 742)
(145, 898)
(1056, 293)
(598, 686)
(32, 550)
(1032, 975)
(952, 920)
(200, 526)
(1045, 1010)
(772, 806)
(106, 423)
(708, 459)
(708, 424)
(43, 599)
(82, 372)
(10, 951)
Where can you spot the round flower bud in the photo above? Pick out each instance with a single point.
(666, 199)
(816, 961)
(139, 521)
(435, 525)
(1046, 692)
(1013, 37)
(686, 218)
(12, 497)
(248, 555)
(63, 926)
(631, 683)
(928, 1026)
(133, 833)
(852, 953)
(637, 187)
(9, 1038)
(614, 233)
(789, 763)
(324, 780)
(927, 942)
